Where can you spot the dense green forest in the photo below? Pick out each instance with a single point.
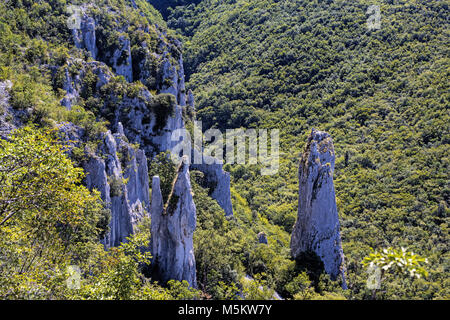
(164, 6)
(383, 95)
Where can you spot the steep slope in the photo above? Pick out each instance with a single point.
(118, 71)
(127, 71)
(382, 94)
(117, 85)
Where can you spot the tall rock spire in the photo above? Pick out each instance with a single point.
(317, 226)
(172, 229)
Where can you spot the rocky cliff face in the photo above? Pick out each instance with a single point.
(127, 176)
(9, 117)
(143, 108)
(262, 238)
(84, 38)
(317, 226)
(172, 230)
(218, 181)
(118, 170)
(148, 119)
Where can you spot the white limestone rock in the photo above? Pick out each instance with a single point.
(217, 179)
(71, 93)
(172, 230)
(262, 237)
(190, 99)
(181, 92)
(136, 113)
(10, 118)
(120, 174)
(72, 84)
(123, 66)
(173, 78)
(84, 38)
(169, 77)
(139, 124)
(317, 226)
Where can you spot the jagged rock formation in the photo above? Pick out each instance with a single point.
(172, 230)
(84, 38)
(143, 115)
(141, 124)
(217, 180)
(123, 66)
(149, 114)
(127, 179)
(144, 111)
(156, 70)
(190, 99)
(317, 226)
(119, 172)
(170, 77)
(73, 83)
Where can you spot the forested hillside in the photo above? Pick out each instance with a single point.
(382, 94)
(164, 6)
(292, 65)
(50, 223)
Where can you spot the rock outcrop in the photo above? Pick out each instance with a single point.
(125, 172)
(161, 71)
(190, 100)
(172, 230)
(10, 118)
(140, 122)
(73, 83)
(218, 180)
(121, 59)
(144, 115)
(84, 38)
(317, 226)
(118, 170)
(144, 111)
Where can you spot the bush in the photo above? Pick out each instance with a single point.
(163, 106)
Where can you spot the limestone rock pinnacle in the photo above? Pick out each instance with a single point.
(317, 226)
(172, 230)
